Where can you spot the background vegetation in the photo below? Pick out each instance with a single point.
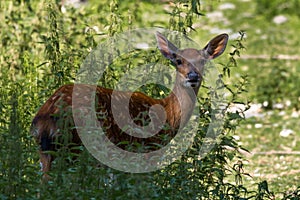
(43, 44)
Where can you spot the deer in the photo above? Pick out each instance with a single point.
(177, 106)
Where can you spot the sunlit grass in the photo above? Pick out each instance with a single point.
(274, 137)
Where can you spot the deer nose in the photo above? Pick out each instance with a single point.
(193, 76)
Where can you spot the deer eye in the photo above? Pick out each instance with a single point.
(176, 60)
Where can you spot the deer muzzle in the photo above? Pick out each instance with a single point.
(192, 80)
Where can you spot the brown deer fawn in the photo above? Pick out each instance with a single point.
(178, 105)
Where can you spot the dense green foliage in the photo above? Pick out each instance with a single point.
(272, 8)
(42, 47)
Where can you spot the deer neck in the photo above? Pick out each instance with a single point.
(179, 104)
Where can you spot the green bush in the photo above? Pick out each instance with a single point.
(278, 84)
(276, 7)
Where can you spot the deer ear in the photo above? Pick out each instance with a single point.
(216, 46)
(166, 47)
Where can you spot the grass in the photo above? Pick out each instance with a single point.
(275, 158)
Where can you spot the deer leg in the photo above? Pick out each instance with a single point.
(45, 162)
(45, 158)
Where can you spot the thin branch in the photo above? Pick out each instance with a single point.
(268, 57)
(276, 153)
